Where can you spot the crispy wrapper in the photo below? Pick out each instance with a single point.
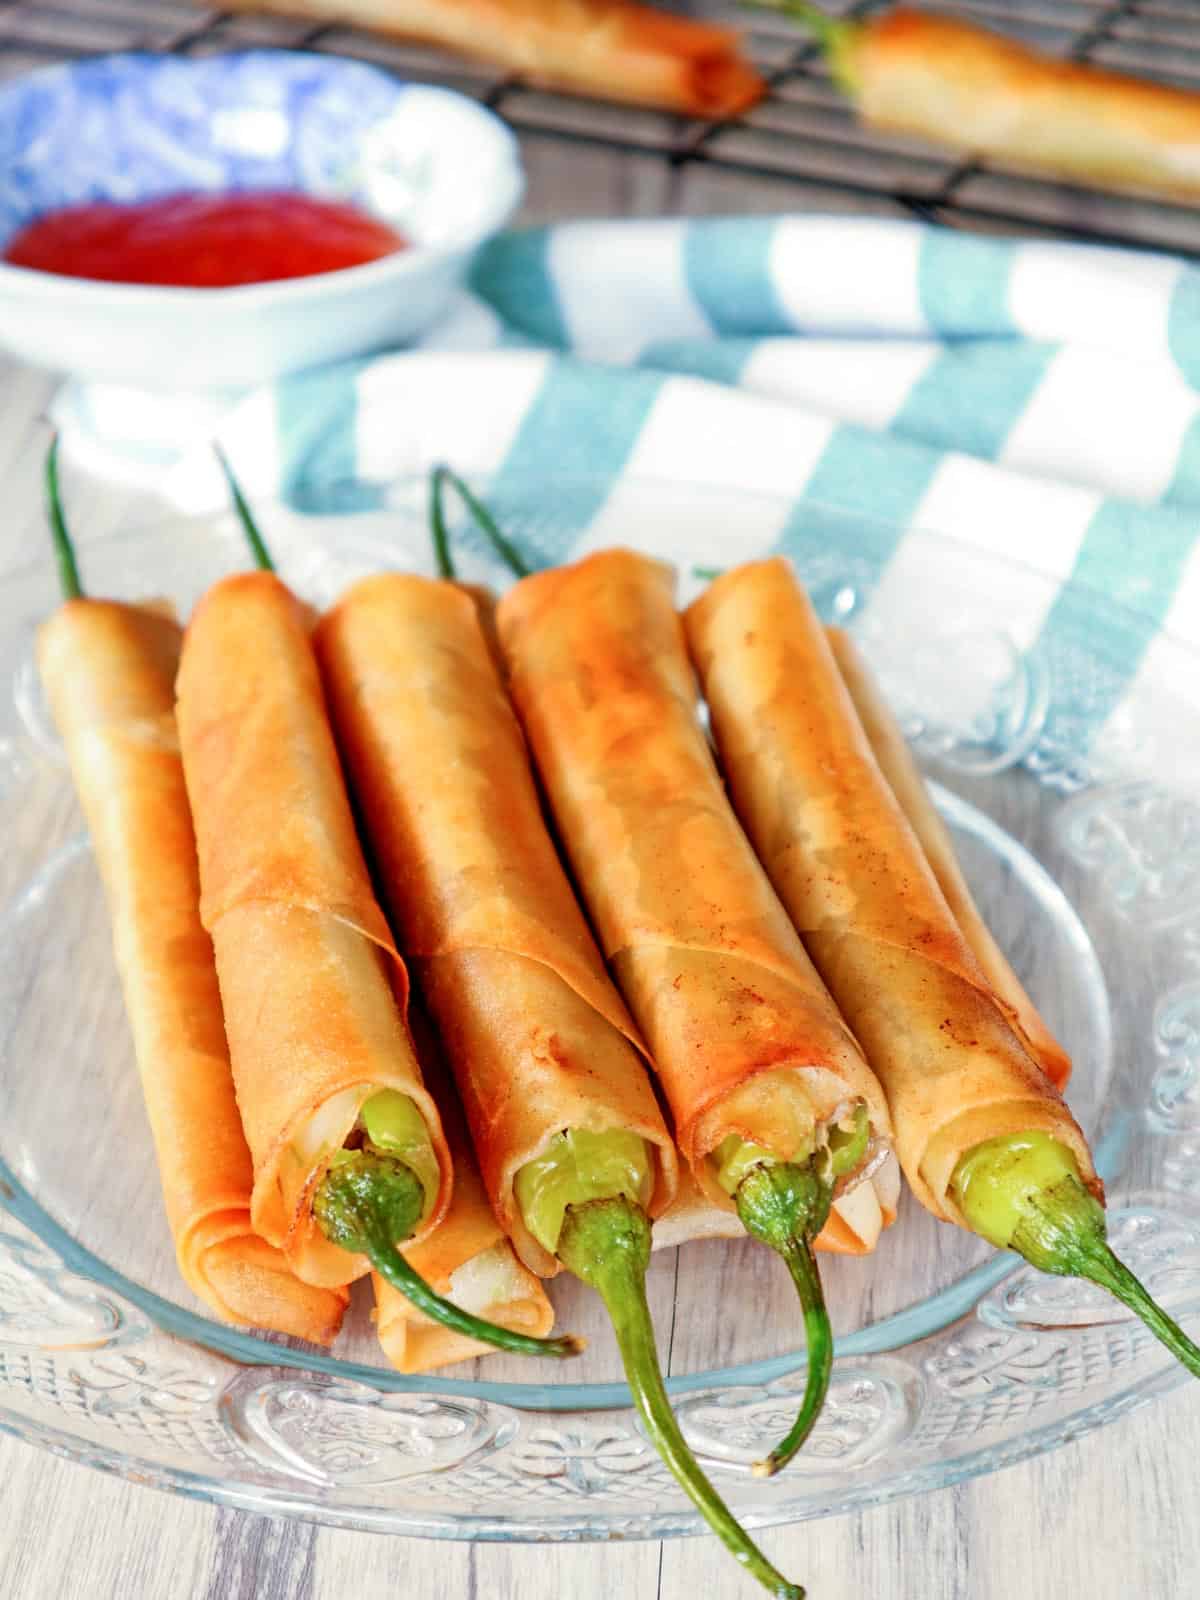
(312, 987)
(904, 778)
(706, 957)
(852, 873)
(958, 84)
(609, 49)
(535, 1032)
(109, 671)
(467, 1257)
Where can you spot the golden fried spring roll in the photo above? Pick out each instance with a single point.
(610, 49)
(109, 671)
(745, 1037)
(312, 986)
(960, 85)
(903, 776)
(537, 1036)
(852, 874)
(467, 1257)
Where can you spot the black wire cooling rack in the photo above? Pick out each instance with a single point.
(802, 133)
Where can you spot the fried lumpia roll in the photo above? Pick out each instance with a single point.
(851, 871)
(610, 49)
(983, 1135)
(467, 1258)
(535, 1032)
(574, 1152)
(950, 81)
(904, 778)
(312, 986)
(109, 672)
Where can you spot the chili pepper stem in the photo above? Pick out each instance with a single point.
(785, 1205)
(365, 1203)
(1064, 1232)
(801, 1263)
(258, 548)
(64, 549)
(606, 1243)
(442, 556)
(485, 521)
(835, 35)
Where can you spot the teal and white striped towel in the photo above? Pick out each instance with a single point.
(1036, 399)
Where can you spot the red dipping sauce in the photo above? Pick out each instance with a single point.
(203, 241)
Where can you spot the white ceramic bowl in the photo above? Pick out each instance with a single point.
(433, 163)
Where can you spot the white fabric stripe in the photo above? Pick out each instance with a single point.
(614, 302)
(415, 410)
(1087, 412)
(1116, 299)
(848, 274)
(999, 512)
(855, 380)
(699, 433)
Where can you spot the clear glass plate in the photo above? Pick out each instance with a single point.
(1084, 850)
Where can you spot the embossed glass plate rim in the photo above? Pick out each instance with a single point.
(267, 1500)
(246, 1350)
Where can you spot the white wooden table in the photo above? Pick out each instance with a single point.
(1115, 1517)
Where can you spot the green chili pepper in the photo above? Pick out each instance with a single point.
(580, 1166)
(394, 1127)
(373, 1198)
(785, 1204)
(1023, 1192)
(581, 1200)
(64, 550)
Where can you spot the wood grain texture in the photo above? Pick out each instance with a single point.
(1111, 1517)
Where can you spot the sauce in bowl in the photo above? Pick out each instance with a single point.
(203, 241)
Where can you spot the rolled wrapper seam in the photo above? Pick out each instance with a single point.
(850, 869)
(714, 973)
(313, 988)
(109, 671)
(538, 1038)
(896, 762)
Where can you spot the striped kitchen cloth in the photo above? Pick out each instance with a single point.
(1038, 400)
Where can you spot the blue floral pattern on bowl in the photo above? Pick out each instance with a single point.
(130, 127)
